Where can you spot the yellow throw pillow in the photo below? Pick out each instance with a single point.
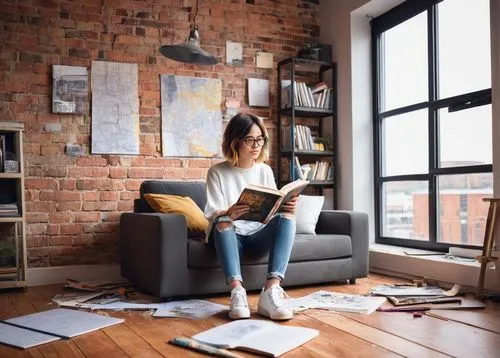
(175, 204)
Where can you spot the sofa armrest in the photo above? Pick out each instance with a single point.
(353, 224)
(153, 252)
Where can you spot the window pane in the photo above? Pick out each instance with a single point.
(406, 210)
(404, 61)
(462, 212)
(465, 137)
(463, 46)
(405, 144)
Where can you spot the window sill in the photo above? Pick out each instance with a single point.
(392, 260)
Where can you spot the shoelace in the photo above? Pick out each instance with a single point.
(238, 300)
(278, 295)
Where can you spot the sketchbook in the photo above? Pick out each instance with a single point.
(336, 302)
(64, 322)
(264, 202)
(23, 338)
(258, 336)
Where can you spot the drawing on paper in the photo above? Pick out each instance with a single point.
(115, 108)
(191, 116)
(234, 53)
(70, 89)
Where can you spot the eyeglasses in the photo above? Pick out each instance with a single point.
(251, 141)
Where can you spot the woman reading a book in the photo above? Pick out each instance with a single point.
(245, 146)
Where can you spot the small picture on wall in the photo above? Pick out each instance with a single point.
(258, 92)
(70, 89)
(234, 53)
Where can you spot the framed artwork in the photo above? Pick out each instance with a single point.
(258, 92)
(70, 89)
(191, 117)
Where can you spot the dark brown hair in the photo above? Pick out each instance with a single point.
(237, 128)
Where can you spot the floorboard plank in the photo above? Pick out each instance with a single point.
(449, 337)
(97, 344)
(373, 335)
(334, 342)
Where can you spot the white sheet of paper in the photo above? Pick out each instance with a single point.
(234, 53)
(23, 338)
(258, 92)
(389, 290)
(64, 322)
(264, 60)
(336, 302)
(192, 309)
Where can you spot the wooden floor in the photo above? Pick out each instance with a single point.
(472, 333)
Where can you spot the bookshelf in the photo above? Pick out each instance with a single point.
(13, 258)
(307, 99)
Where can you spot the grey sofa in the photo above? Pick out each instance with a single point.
(158, 256)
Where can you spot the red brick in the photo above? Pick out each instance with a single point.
(117, 173)
(88, 172)
(37, 218)
(91, 196)
(58, 218)
(125, 205)
(69, 206)
(38, 183)
(92, 161)
(87, 217)
(99, 206)
(110, 195)
(67, 196)
(71, 229)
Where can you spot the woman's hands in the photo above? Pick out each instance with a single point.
(235, 211)
(291, 205)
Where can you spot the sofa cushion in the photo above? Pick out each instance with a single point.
(175, 204)
(195, 190)
(305, 248)
(308, 210)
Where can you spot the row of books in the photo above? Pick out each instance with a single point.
(304, 140)
(315, 96)
(319, 170)
(10, 209)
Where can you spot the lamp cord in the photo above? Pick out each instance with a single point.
(195, 14)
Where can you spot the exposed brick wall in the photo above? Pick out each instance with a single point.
(73, 204)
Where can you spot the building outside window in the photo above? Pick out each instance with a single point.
(432, 123)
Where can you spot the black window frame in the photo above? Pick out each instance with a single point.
(379, 25)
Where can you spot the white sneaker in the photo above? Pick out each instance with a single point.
(239, 304)
(272, 304)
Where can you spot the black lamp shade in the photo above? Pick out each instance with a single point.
(189, 51)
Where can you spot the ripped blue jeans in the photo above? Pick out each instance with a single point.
(275, 238)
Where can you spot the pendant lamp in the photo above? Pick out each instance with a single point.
(189, 51)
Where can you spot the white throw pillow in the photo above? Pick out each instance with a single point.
(307, 213)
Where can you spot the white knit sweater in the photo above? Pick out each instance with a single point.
(225, 183)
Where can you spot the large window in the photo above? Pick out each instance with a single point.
(432, 123)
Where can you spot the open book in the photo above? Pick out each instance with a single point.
(264, 202)
(258, 336)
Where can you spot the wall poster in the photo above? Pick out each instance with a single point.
(115, 108)
(191, 116)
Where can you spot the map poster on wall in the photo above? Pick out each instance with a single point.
(70, 89)
(115, 108)
(191, 117)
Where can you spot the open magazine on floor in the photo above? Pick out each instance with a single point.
(264, 202)
(258, 336)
